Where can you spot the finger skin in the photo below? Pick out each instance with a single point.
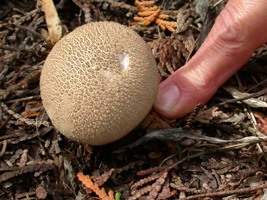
(239, 30)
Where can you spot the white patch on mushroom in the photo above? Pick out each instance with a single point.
(124, 60)
(107, 73)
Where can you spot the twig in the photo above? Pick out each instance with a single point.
(217, 150)
(193, 115)
(8, 48)
(23, 99)
(118, 5)
(30, 30)
(4, 71)
(191, 50)
(20, 11)
(226, 193)
(101, 16)
(3, 148)
(29, 122)
(257, 85)
(5, 122)
(257, 94)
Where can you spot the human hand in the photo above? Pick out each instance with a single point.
(239, 30)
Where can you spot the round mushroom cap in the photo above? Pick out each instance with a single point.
(99, 82)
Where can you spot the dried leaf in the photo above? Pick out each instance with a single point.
(152, 14)
(70, 173)
(169, 52)
(177, 134)
(27, 121)
(184, 18)
(221, 167)
(24, 137)
(146, 180)
(140, 4)
(101, 193)
(153, 189)
(153, 170)
(40, 166)
(157, 186)
(152, 121)
(252, 102)
(166, 192)
(23, 158)
(100, 180)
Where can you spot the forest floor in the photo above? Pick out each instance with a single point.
(174, 161)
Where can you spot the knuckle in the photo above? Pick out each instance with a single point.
(231, 30)
(204, 82)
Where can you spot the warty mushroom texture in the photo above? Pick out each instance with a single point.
(99, 82)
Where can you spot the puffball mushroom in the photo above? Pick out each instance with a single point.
(99, 82)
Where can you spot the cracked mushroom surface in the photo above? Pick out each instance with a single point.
(99, 82)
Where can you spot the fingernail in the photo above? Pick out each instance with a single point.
(167, 97)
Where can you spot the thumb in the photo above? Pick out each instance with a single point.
(238, 31)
